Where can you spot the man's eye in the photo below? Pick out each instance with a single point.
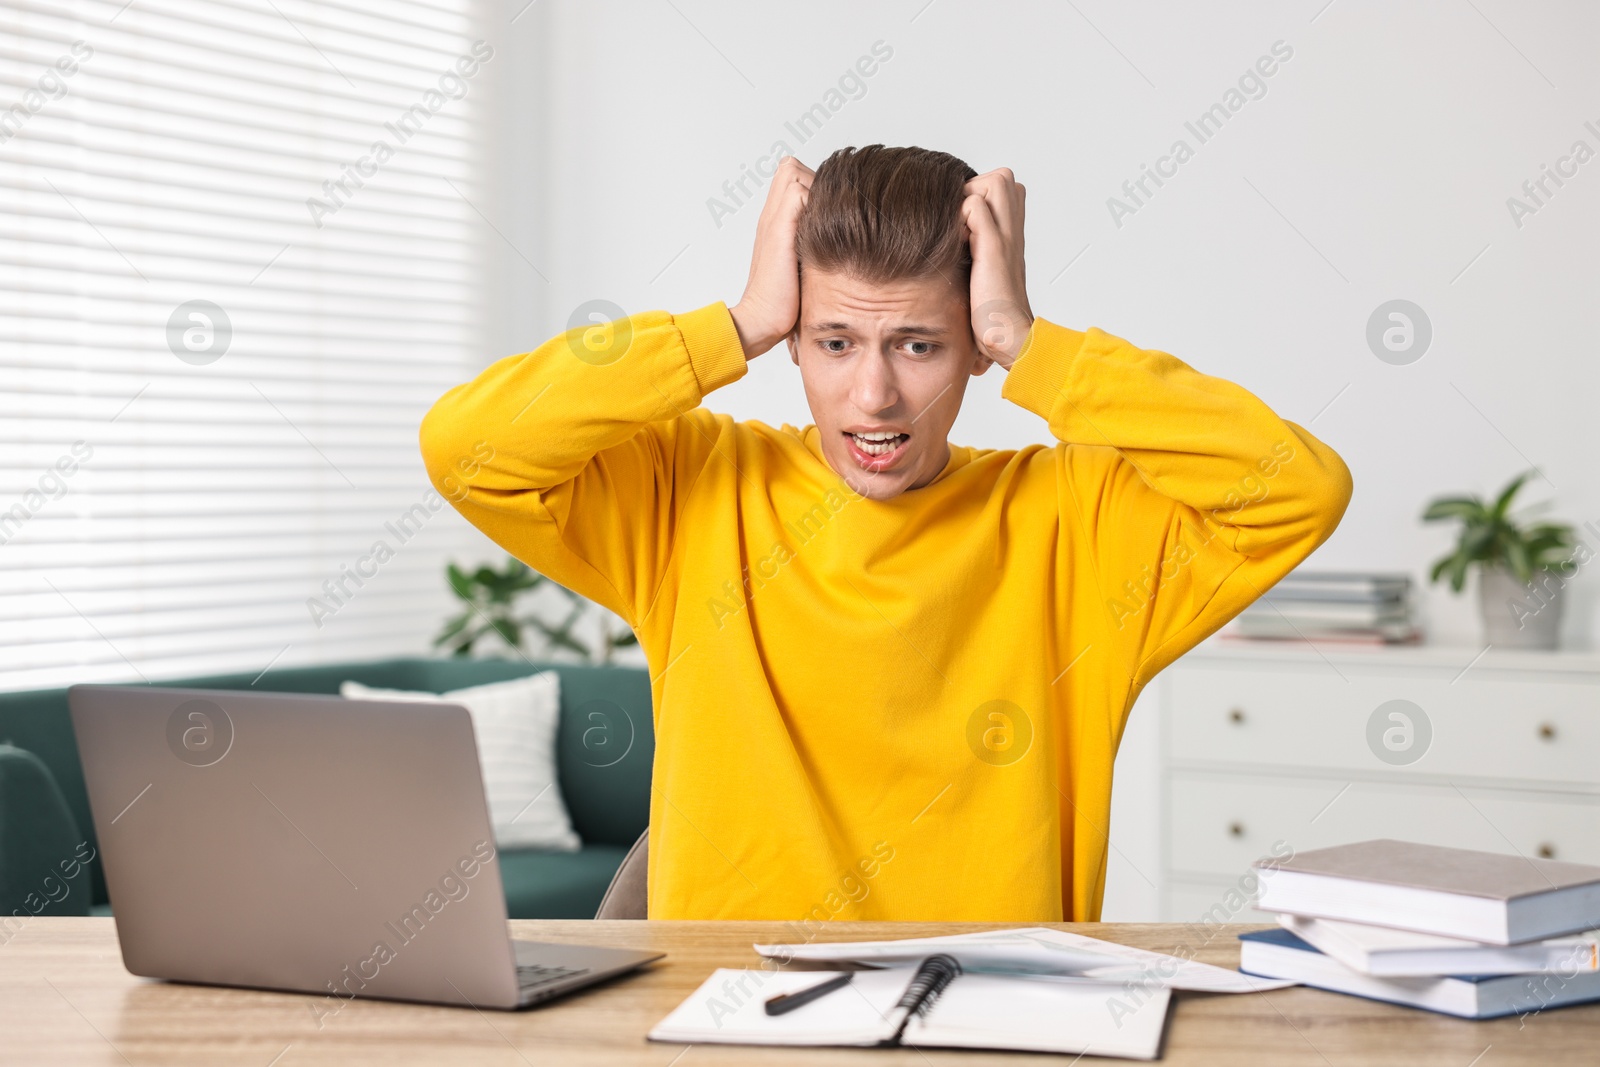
(920, 348)
(835, 345)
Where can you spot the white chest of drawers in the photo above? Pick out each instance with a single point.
(1241, 748)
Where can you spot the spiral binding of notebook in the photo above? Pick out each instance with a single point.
(932, 978)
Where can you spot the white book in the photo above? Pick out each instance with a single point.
(1028, 1013)
(1280, 954)
(1333, 613)
(1386, 952)
(1456, 892)
(1337, 586)
(1263, 625)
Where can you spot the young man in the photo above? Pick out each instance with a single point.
(889, 673)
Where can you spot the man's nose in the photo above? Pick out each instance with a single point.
(873, 387)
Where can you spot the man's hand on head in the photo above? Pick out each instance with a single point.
(770, 306)
(1001, 314)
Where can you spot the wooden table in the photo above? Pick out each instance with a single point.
(65, 999)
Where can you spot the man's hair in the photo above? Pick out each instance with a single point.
(887, 214)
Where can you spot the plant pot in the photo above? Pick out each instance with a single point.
(1517, 615)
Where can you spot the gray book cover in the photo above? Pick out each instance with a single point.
(1446, 870)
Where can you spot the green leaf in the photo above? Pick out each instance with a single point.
(517, 577)
(562, 639)
(1550, 550)
(509, 631)
(1517, 559)
(1553, 533)
(460, 584)
(453, 627)
(492, 593)
(1459, 507)
(1503, 503)
(1545, 540)
(1478, 543)
(1454, 567)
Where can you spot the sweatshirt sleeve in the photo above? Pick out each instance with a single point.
(577, 457)
(1186, 495)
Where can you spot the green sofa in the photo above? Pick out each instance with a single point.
(604, 749)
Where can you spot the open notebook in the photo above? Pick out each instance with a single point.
(1039, 1013)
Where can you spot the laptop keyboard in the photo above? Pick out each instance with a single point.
(533, 976)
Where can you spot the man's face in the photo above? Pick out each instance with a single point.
(882, 359)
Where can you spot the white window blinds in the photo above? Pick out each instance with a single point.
(239, 255)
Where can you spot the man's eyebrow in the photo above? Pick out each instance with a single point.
(845, 327)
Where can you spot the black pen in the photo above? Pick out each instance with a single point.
(786, 1002)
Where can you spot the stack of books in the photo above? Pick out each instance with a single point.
(1473, 934)
(1354, 607)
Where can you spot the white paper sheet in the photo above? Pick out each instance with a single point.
(1039, 950)
(1044, 1013)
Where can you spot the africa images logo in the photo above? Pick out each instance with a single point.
(1399, 732)
(199, 732)
(999, 732)
(607, 733)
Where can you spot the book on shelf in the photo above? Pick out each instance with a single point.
(1332, 606)
(1335, 586)
(1358, 638)
(1292, 628)
(1332, 613)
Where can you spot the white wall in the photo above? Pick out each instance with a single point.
(1377, 166)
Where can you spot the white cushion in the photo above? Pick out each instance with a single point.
(514, 723)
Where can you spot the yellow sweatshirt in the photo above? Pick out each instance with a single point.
(904, 709)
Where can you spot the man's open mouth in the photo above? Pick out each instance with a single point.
(878, 450)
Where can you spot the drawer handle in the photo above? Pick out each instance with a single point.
(1236, 829)
(1547, 731)
(1236, 715)
(1546, 850)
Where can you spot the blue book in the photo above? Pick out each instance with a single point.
(1280, 954)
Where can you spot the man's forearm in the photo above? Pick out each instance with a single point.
(755, 336)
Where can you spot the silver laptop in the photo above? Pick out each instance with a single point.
(309, 843)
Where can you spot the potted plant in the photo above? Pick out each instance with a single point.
(490, 606)
(1522, 569)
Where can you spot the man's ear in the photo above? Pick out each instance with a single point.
(980, 362)
(793, 341)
